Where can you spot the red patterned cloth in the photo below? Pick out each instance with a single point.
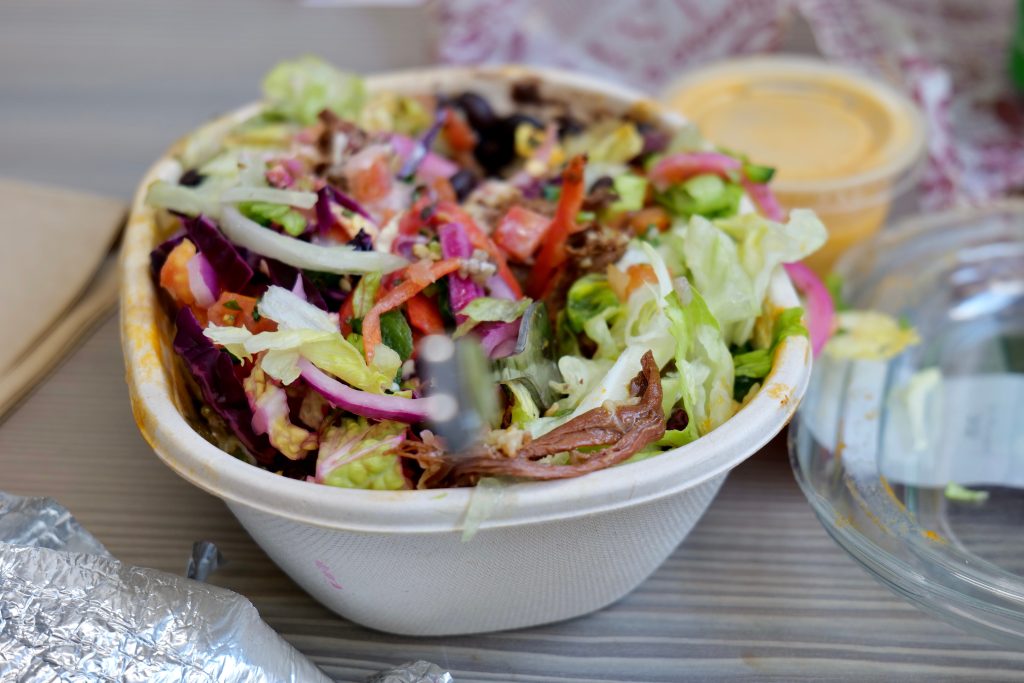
(949, 55)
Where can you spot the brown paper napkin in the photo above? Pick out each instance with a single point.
(58, 277)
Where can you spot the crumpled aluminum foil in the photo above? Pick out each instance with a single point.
(413, 672)
(71, 612)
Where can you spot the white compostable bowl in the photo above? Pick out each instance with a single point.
(395, 560)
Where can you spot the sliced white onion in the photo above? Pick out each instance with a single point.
(202, 281)
(271, 195)
(341, 260)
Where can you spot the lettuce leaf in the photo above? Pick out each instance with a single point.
(869, 335)
(271, 416)
(355, 454)
(632, 190)
(300, 89)
(702, 195)
(304, 331)
(702, 360)
(485, 309)
(736, 276)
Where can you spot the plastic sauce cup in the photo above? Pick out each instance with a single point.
(842, 143)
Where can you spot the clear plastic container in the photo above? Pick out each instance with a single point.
(842, 144)
(876, 446)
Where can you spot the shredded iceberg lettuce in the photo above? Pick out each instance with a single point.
(300, 89)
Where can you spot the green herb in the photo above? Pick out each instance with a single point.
(395, 333)
(751, 366)
(232, 304)
(444, 302)
(586, 217)
(323, 280)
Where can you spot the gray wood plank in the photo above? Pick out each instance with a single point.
(757, 591)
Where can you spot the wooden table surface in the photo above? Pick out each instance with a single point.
(89, 94)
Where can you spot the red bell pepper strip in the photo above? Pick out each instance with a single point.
(552, 254)
(424, 315)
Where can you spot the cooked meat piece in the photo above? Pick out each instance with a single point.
(622, 430)
(589, 250)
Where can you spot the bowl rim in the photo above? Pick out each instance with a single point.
(148, 361)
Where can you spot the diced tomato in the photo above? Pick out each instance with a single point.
(369, 174)
(457, 132)
(424, 315)
(520, 231)
(174, 273)
(416, 217)
(641, 221)
(236, 310)
(639, 273)
(450, 212)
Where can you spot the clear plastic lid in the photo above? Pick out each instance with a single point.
(916, 465)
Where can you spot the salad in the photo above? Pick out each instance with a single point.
(614, 273)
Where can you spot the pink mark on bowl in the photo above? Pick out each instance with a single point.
(326, 572)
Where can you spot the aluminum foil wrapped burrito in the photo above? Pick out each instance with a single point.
(71, 612)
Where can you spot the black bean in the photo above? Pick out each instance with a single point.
(494, 151)
(463, 183)
(478, 111)
(191, 178)
(526, 91)
(568, 125)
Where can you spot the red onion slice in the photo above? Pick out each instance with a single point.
(373, 406)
